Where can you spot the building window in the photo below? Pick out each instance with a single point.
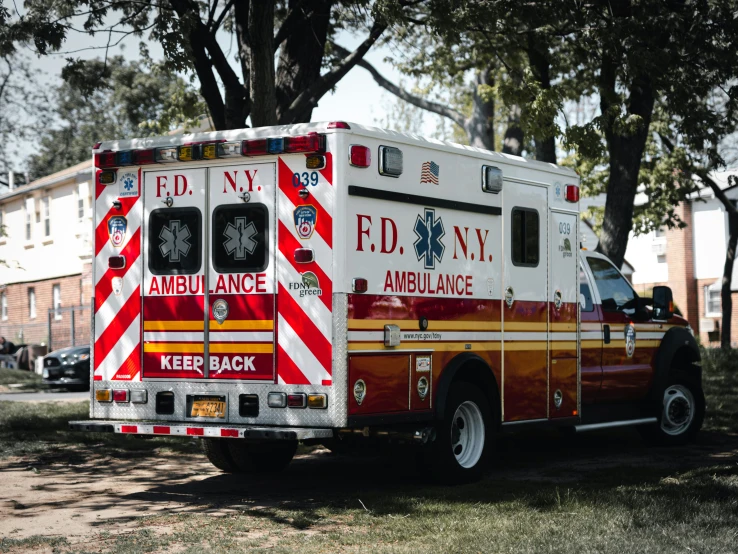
(4, 303)
(661, 258)
(29, 217)
(525, 237)
(712, 300)
(80, 202)
(31, 303)
(56, 299)
(46, 214)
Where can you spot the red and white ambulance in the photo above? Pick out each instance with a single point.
(332, 283)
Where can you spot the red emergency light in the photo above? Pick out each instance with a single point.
(105, 159)
(572, 193)
(310, 143)
(360, 156)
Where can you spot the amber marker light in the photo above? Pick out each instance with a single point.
(104, 395)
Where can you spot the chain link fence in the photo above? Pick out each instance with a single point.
(68, 327)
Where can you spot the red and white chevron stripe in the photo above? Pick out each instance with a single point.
(304, 328)
(117, 350)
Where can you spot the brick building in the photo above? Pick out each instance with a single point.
(689, 260)
(47, 255)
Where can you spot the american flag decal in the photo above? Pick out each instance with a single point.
(429, 173)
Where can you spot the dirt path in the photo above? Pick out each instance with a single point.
(78, 494)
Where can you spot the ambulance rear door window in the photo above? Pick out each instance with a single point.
(175, 241)
(240, 233)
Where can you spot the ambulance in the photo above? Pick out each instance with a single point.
(337, 284)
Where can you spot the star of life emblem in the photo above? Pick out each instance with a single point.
(240, 238)
(429, 231)
(174, 241)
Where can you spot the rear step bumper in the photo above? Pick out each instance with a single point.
(201, 430)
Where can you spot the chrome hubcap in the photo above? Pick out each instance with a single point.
(467, 434)
(678, 410)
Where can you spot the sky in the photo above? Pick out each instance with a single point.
(357, 98)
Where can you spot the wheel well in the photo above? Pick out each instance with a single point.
(476, 372)
(683, 362)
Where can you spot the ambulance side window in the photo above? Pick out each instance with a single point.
(239, 238)
(616, 293)
(174, 241)
(525, 237)
(585, 292)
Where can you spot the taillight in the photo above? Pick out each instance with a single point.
(117, 262)
(120, 395)
(338, 125)
(298, 400)
(311, 143)
(360, 156)
(572, 193)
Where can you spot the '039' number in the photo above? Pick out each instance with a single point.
(564, 228)
(305, 179)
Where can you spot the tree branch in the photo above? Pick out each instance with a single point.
(317, 90)
(221, 17)
(292, 20)
(434, 107)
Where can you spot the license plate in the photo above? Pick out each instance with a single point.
(208, 407)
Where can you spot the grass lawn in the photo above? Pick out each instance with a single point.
(607, 492)
(18, 376)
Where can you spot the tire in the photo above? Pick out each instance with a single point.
(464, 439)
(219, 455)
(681, 412)
(261, 457)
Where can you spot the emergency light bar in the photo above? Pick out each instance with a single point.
(312, 143)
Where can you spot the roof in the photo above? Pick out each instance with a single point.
(53, 179)
(322, 127)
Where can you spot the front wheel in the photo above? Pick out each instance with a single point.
(464, 439)
(682, 410)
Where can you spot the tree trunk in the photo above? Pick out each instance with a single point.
(726, 297)
(261, 63)
(541, 67)
(480, 126)
(301, 56)
(241, 26)
(626, 151)
(512, 143)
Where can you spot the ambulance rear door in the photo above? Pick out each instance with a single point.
(241, 279)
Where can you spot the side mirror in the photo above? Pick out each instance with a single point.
(663, 303)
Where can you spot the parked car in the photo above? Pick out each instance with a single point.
(68, 367)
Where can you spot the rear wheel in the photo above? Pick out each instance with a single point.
(681, 412)
(262, 457)
(219, 455)
(464, 439)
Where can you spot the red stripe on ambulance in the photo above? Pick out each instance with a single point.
(324, 223)
(301, 323)
(113, 332)
(104, 286)
(101, 232)
(287, 246)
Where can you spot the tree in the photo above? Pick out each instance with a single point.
(134, 100)
(295, 32)
(634, 57)
(23, 105)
